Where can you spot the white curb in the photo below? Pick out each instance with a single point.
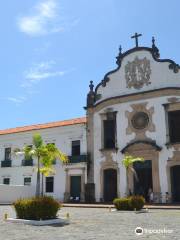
(39, 223)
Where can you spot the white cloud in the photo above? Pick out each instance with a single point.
(37, 76)
(32, 26)
(47, 8)
(17, 100)
(41, 71)
(43, 20)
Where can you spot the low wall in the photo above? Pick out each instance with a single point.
(10, 193)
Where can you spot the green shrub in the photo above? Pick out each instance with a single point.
(37, 208)
(122, 203)
(129, 203)
(137, 202)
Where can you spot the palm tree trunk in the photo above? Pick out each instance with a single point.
(127, 182)
(42, 185)
(38, 179)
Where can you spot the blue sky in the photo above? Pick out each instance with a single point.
(51, 49)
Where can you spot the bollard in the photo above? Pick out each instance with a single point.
(109, 209)
(5, 216)
(135, 209)
(67, 215)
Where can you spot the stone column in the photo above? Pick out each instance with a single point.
(90, 186)
(83, 185)
(67, 187)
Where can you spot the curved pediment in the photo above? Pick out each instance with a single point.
(139, 70)
(141, 144)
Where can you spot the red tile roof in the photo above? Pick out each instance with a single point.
(75, 121)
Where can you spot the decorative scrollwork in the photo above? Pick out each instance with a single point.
(175, 67)
(104, 81)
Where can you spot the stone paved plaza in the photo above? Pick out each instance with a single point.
(95, 223)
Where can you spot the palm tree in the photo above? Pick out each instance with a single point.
(45, 155)
(128, 162)
(51, 153)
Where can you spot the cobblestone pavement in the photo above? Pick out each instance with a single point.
(95, 223)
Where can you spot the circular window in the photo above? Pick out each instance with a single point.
(140, 120)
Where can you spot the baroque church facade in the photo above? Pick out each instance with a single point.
(134, 110)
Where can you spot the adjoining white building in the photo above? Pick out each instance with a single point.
(134, 110)
(69, 136)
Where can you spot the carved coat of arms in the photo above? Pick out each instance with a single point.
(137, 73)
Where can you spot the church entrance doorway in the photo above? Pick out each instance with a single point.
(175, 183)
(110, 185)
(144, 178)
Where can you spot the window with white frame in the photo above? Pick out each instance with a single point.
(7, 153)
(6, 181)
(27, 181)
(49, 184)
(76, 149)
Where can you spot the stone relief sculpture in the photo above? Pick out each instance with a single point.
(137, 73)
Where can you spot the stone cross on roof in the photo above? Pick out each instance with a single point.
(136, 35)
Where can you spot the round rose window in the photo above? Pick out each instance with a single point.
(140, 120)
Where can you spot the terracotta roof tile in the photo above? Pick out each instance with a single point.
(44, 126)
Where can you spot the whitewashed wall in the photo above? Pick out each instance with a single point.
(11, 193)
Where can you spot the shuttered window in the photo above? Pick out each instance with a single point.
(49, 184)
(109, 133)
(174, 126)
(6, 181)
(8, 153)
(76, 148)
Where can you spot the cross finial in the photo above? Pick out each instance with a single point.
(120, 49)
(91, 86)
(136, 35)
(153, 41)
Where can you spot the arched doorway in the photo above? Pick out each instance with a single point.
(175, 183)
(143, 182)
(148, 172)
(110, 185)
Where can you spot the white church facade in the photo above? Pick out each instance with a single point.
(134, 110)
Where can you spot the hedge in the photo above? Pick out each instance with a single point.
(37, 208)
(137, 202)
(129, 203)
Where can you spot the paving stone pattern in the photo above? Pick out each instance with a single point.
(95, 224)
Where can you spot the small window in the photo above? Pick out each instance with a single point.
(109, 133)
(76, 148)
(6, 181)
(27, 181)
(49, 184)
(174, 126)
(7, 153)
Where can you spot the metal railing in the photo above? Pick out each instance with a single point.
(77, 159)
(28, 162)
(6, 163)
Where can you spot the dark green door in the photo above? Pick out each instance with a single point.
(75, 186)
(175, 183)
(110, 185)
(144, 178)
